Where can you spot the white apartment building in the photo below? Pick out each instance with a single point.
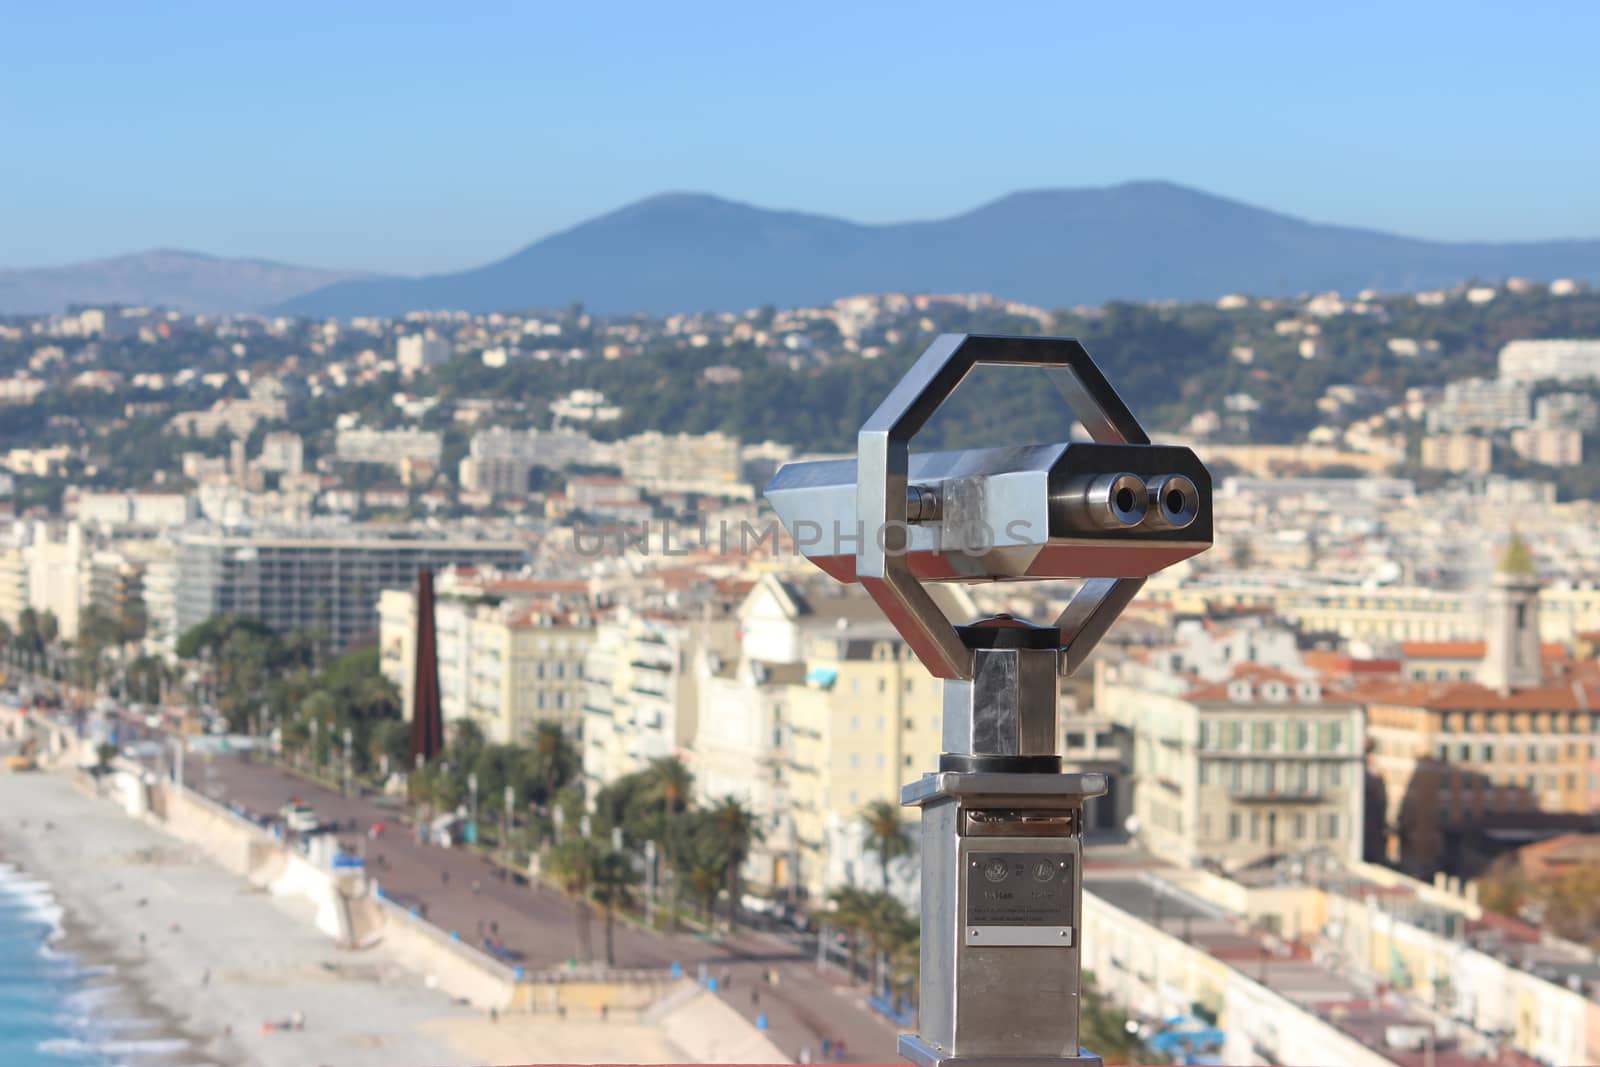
(1553, 446)
(1481, 404)
(705, 463)
(1264, 762)
(419, 351)
(56, 560)
(821, 710)
(388, 447)
(283, 452)
(501, 460)
(509, 659)
(1563, 360)
(151, 510)
(643, 691)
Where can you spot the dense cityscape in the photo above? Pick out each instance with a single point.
(1354, 750)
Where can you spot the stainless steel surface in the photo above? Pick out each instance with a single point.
(1174, 502)
(891, 520)
(1103, 502)
(1026, 788)
(1001, 851)
(1089, 614)
(1019, 936)
(923, 504)
(921, 1053)
(1011, 703)
(1012, 822)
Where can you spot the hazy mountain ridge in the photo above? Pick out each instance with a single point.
(172, 278)
(681, 251)
(1053, 247)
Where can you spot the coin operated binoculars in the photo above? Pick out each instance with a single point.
(1001, 842)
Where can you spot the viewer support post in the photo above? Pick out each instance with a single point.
(1001, 821)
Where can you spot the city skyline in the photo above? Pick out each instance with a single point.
(411, 143)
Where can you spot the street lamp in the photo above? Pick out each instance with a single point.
(348, 738)
(505, 827)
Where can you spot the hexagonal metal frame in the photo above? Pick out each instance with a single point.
(883, 449)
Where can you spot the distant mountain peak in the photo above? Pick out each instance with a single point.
(164, 277)
(1139, 240)
(1149, 239)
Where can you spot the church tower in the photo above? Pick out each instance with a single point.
(1512, 652)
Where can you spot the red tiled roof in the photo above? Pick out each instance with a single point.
(1468, 649)
(1470, 696)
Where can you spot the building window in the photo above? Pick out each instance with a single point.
(909, 685)
(1234, 828)
(883, 723)
(911, 724)
(883, 761)
(1335, 775)
(855, 761)
(1205, 772)
(883, 685)
(1447, 723)
(855, 723)
(1331, 829)
(908, 761)
(1300, 826)
(1235, 777)
(1205, 735)
(1075, 739)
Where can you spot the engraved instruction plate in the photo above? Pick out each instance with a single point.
(1020, 898)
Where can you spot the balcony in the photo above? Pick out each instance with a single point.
(1249, 795)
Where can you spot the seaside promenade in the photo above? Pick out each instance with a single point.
(461, 890)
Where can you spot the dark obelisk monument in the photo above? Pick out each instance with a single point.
(427, 720)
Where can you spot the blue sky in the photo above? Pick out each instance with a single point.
(419, 138)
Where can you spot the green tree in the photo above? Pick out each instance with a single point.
(739, 832)
(571, 864)
(886, 835)
(614, 879)
(1102, 1027)
(850, 912)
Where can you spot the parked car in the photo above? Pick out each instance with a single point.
(299, 818)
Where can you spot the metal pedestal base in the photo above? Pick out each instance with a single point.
(919, 1052)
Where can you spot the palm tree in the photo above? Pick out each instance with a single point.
(554, 762)
(887, 925)
(739, 832)
(886, 833)
(614, 878)
(572, 863)
(670, 784)
(852, 910)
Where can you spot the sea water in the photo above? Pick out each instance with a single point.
(55, 1011)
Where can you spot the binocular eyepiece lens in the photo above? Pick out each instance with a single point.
(1125, 501)
(1174, 502)
(1116, 501)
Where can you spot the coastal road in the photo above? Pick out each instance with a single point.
(464, 892)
